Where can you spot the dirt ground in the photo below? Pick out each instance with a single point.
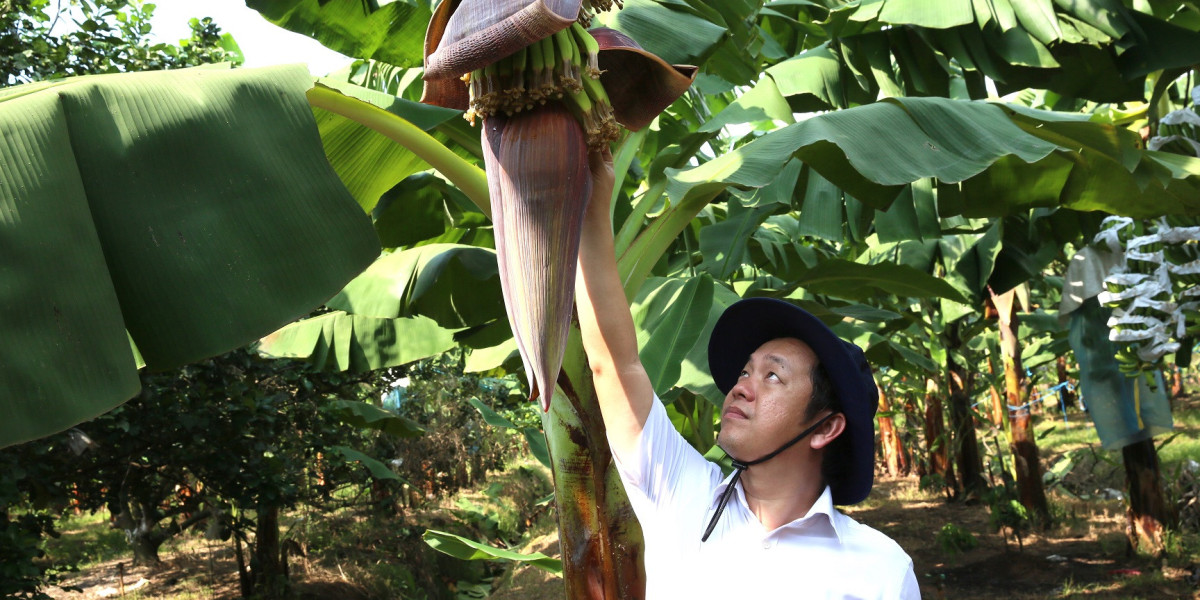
(196, 571)
(1086, 558)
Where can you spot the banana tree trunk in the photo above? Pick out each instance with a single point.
(895, 459)
(936, 439)
(599, 535)
(998, 408)
(970, 462)
(1149, 513)
(966, 446)
(1021, 439)
(1177, 390)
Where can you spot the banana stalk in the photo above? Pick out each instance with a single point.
(543, 87)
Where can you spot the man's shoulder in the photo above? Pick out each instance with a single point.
(862, 538)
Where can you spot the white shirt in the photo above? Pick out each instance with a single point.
(825, 554)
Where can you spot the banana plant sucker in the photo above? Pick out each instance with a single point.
(547, 92)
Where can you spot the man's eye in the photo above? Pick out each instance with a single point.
(772, 375)
(742, 374)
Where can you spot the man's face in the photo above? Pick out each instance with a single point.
(766, 407)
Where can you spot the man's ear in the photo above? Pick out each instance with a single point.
(828, 431)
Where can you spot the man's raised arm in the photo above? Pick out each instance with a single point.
(622, 386)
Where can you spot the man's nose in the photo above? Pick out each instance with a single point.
(743, 390)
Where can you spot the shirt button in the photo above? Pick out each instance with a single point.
(766, 544)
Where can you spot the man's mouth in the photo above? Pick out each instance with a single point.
(734, 412)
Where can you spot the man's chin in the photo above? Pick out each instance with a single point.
(728, 442)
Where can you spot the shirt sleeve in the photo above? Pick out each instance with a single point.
(909, 590)
(663, 469)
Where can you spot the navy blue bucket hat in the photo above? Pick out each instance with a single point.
(750, 323)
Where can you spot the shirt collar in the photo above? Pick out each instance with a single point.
(823, 505)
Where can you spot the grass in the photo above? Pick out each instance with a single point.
(87, 540)
(1056, 438)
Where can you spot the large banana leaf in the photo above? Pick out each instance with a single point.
(1099, 50)
(855, 281)
(338, 341)
(457, 286)
(368, 162)
(670, 315)
(1006, 161)
(178, 206)
(392, 32)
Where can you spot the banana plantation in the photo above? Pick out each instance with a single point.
(271, 335)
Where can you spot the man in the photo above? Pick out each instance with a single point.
(797, 420)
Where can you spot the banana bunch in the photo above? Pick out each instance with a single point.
(591, 7)
(1179, 132)
(1153, 291)
(564, 66)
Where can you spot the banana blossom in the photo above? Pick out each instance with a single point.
(548, 91)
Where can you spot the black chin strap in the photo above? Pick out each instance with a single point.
(739, 467)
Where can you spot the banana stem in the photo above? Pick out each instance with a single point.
(467, 177)
(635, 263)
(633, 223)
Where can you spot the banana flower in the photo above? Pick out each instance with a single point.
(548, 91)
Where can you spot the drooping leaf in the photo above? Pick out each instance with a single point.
(762, 102)
(935, 15)
(723, 244)
(686, 41)
(693, 371)
(669, 315)
(107, 226)
(533, 436)
(415, 210)
(460, 547)
(378, 470)
(369, 163)
(870, 151)
(455, 285)
(368, 416)
(392, 32)
(856, 281)
(344, 342)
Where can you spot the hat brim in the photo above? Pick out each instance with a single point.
(750, 323)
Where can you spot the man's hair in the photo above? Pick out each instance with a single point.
(824, 397)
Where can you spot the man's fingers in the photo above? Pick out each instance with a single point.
(601, 160)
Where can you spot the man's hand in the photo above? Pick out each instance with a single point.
(622, 386)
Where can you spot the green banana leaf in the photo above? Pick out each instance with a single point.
(533, 435)
(670, 315)
(338, 341)
(369, 163)
(456, 285)
(693, 370)
(377, 469)
(1099, 50)
(689, 39)
(392, 32)
(460, 547)
(855, 281)
(178, 206)
(723, 244)
(871, 151)
(368, 416)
